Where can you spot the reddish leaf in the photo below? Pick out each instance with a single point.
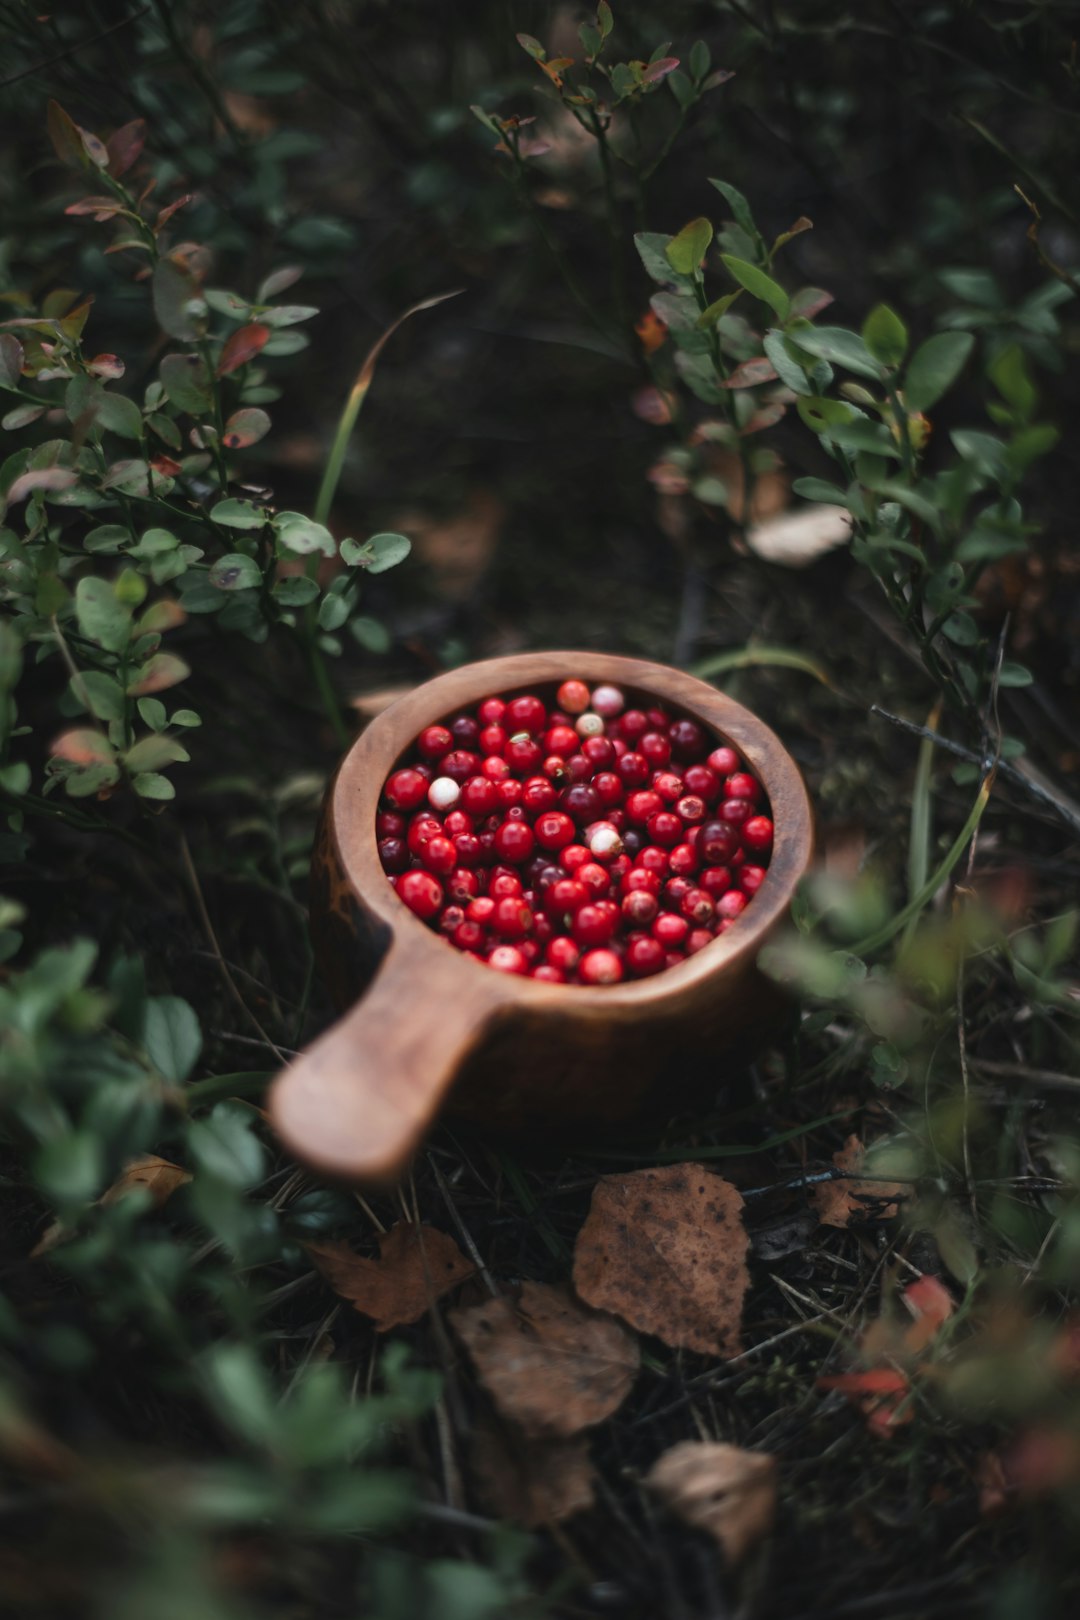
(751, 373)
(66, 137)
(173, 208)
(243, 346)
(101, 208)
(880, 1393)
(838, 1201)
(666, 1250)
(245, 428)
(158, 674)
(11, 359)
(83, 747)
(109, 366)
(166, 466)
(931, 1304)
(48, 478)
(657, 71)
(416, 1266)
(125, 145)
(551, 1366)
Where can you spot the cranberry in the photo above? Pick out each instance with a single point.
(581, 802)
(690, 808)
(480, 910)
(444, 793)
(554, 830)
(573, 856)
(523, 754)
(406, 789)
(676, 889)
(503, 884)
(664, 828)
(684, 860)
(687, 739)
(656, 748)
(421, 830)
(608, 701)
(512, 917)
(562, 953)
(633, 725)
(703, 782)
(389, 824)
(669, 930)
(589, 725)
(718, 843)
(736, 811)
(460, 764)
(507, 959)
(600, 967)
(547, 974)
(394, 854)
(741, 786)
(566, 896)
(577, 769)
(422, 893)
(757, 834)
(491, 711)
(573, 696)
(514, 841)
(723, 761)
(715, 880)
(698, 907)
(493, 739)
(561, 740)
(731, 904)
(608, 789)
(599, 752)
(645, 957)
(526, 714)
(668, 785)
(434, 741)
(595, 879)
(469, 849)
(452, 917)
(462, 885)
(639, 908)
(465, 731)
(643, 804)
(697, 939)
(458, 821)
(634, 769)
(751, 878)
(494, 768)
(439, 855)
(554, 768)
(641, 881)
(593, 925)
(468, 936)
(653, 859)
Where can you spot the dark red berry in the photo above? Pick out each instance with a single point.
(757, 835)
(406, 789)
(434, 741)
(718, 843)
(645, 957)
(422, 893)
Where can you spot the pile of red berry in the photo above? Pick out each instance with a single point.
(579, 844)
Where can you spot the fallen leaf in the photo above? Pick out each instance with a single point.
(992, 1484)
(931, 1305)
(159, 1177)
(666, 1250)
(551, 1365)
(416, 1266)
(535, 1482)
(797, 539)
(880, 1393)
(837, 1201)
(882, 1389)
(729, 1492)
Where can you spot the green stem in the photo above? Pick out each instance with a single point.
(218, 446)
(326, 692)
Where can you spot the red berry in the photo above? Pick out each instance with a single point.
(459, 765)
(547, 974)
(757, 834)
(491, 711)
(593, 926)
(656, 748)
(670, 930)
(634, 769)
(434, 741)
(599, 752)
(736, 811)
(465, 731)
(522, 754)
(469, 849)
(561, 740)
(723, 761)
(608, 789)
(697, 939)
(493, 739)
(456, 822)
(715, 880)
(451, 918)
(526, 714)
(639, 908)
(554, 830)
(494, 768)
(573, 696)
(512, 917)
(645, 957)
(394, 854)
(422, 894)
(422, 830)
(668, 785)
(641, 805)
(751, 878)
(731, 904)
(514, 841)
(633, 725)
(600, 967)
(463, 885)
(581, 802)
(503, 884)
(539, 794)
(676, 889)
(684, 860)
(641, 881)
(479, 796)
(595, 878)
(554, 767)
(507, 959)
(468, 936)
(718, 843)
(690, 808)
(439, 855)
(562, 953)
(698, 907)
(566, 896)
(389, 824)
(653, 860)
(703, 782)
(687, 739)
(406, 789)
(741, 786)
(664, 828)
(573, 856)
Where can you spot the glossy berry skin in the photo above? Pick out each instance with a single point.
(656, 749)
(554, 830)
(640, 880)
(644, 957)
(561, 740)
(718, 843)
(462, 885)
(494, 768)
(394, 854)
(715, 880)
(669, 930)
(608, 701)
(641, 805)
(565, 898)
(525, 714)
(634, 769)
(757, 835)
(573, 697)
(493, 739)
(422, 893)
(723, 761)
(503, 884)
(434, 741)
(608, 789)
(457, 822)
(668, 786)
(562, 953)
(539, 794)
(406, 789)
(697, 939)
(731, 905)
(687, 739)
(653, 859)
(573, 856)
(460, 764)
(593, 926)
(465, 731)
(512, 918)
(751, 878)
(507, 959)
(664, 828)
(547, 974)
(595, 878)
(690, 809)
(469, 849)
(697, 907)
(599, 752)
(640, 908)
(443, 794)
(514, 842)
(600, 967)
(439, 855)
(581, 802)
(703, 782)
(390, 824)
(523, 754)
(741, 786)
(480, 910)
(491, 711)
(633, 725)
(684, 860)
(736, 811)
(468, 936)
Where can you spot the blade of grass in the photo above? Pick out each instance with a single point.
(874, 942)
(775, 657)
(921, 818)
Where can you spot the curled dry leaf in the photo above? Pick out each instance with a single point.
(159, 1177)
(416, 1266)
(551, 1365)
(729, 1492)
(534, 1482)
(837, 1202)
(799, 538)
(882, 1389)
(666, 1250)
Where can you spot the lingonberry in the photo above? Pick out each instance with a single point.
(491, 711)
(687, 739)
(526, 714)
(670, 930)
(642, 804)
(634, 769)
(639, 880)
(562, 953)
(523, 754)
(731, 904)
(512, 917)
(608, 789)
(547, 974)
(509, 791)
(554, 830)
(394, 854)
(664, 828)
(469, 849)
(595, 878)
(439, 855)
(608, 701)
(757, 835)
(434, 741)
(465, 731)
(480, 910)
(406, 789)
(718, 843)
(503, 884)
(656, 748)
(723, 761)
(458, 821)
(493, 739)
(573, 696)
(684, 860)
(751, 878)
(653, 859)
(676, 889)
(460, 763)
(645, 957)
(565, 897)
(507, 959)
(577, 769)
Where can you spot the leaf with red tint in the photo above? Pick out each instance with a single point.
(173, 208)
(84, 747)
(535, 1482)
(666, 1249)
(658, 71)
(551, 1365)
(158, 674)
(109, 366)
(125, 145)
(66, 137)
(12, 356)
(101, 208)
(729, 1492)
(809, 301)
(166, 466)
(416, 1266)
(245, 428)
(838, 1201)
(751, 373)
(46, 478)
(651, 332)
(161, 616)
(931, 1304)
(243, 346)
(880, 1393)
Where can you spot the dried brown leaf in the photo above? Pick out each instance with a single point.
(666, 1250)
(551, 1365)
(796, 539)
(719, 1488)
(416, 1266)
(534, 1482)
(838, 1201)
(160, 1177)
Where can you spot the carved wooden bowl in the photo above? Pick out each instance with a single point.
(437, 1028)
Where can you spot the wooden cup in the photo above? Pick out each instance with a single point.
(554, 1062)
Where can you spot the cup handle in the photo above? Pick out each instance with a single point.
(357, 1102)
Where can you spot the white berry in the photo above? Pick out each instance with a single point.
(603, 841)
(589, 725)
(608, 701)
(443, 793)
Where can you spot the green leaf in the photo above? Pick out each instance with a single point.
(11, 360)
(225, 1146)
(532, 47)
(158, 674)
(934, 368)
(234, 514)
(389, 550)
(302, 535)
(236, 571)
(119, 415)
(770, 657)
(1014, 674)
(295, 590)
(837, 345)
(961, 629)
(734, 198)
(246, 428)
(100, 616)
(371, 635)
(333, 612)
(178, 302)
(652, 250)
(149, 785)
(686, 250)
(1029, 444)
(104, 694)
(716, 310)
(885, 335)
(151, 753)
(15, 778)
(816, 489)
(152, 713)
(187, 383)
(241, 1392)
(21, 416)
(186, 717)
(787, 368)
(1009, 374)
(758, 284)
(605, 21)
(172, 1038)
(70, 1169)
